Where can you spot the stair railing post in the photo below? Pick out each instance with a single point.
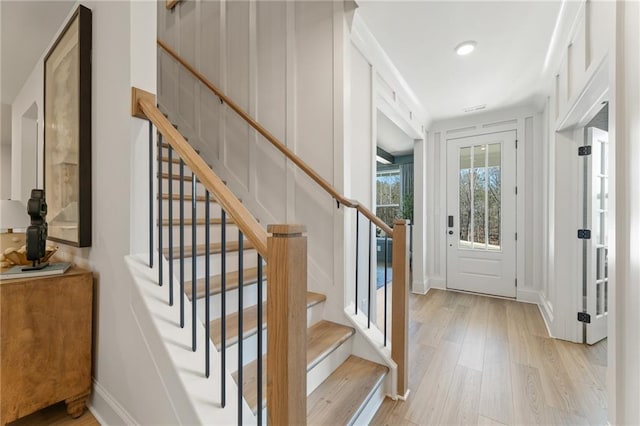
(287, 325)
(400, 303)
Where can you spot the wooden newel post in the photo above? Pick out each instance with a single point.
(287, 325)
(400, 303)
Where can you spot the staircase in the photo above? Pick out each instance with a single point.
(340, 386)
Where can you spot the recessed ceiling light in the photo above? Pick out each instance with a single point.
(465, 47)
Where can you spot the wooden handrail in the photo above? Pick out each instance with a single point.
(279, 145)
(143, 106)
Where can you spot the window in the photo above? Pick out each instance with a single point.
(388, 194)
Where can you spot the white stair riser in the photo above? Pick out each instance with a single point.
(215, 234)
(249, 297)
(323, 369)
(250, 261)
(320, 372)
(249, 351)
(371, 406)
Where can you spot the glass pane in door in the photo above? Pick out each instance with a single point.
(465, 198)
(494, 187)
(479, 217)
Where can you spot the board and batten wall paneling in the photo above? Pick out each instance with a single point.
(277, 60)
(270, 172)
(209, 48)
(237, 87)
(360, 153)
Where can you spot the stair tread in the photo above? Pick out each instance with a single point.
(250, 321)
(187, 197)
(166, 146)
(214, 248)
(250, 276)
(340, 398)
(187, 178)
(199, 221)
(322, 338)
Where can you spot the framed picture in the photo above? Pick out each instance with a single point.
(67, 132)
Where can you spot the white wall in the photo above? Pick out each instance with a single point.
(624, 340)
(375, 85)
(603, 34)
(128, 388)
(5, 151)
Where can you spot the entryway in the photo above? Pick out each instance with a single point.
(481, 221)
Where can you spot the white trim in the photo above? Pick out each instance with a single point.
(106, 409)
(367, 44)
(546, 313)
(528, 295)
(437, 283)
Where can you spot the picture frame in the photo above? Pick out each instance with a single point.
(67, 132)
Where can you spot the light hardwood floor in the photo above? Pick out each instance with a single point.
(56, 415)
(477, 360)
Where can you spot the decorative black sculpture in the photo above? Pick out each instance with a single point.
(37, 232)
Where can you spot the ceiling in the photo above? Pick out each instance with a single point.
(505, 69)
(26, 30)
(391, 138)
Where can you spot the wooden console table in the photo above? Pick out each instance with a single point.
(45, 343)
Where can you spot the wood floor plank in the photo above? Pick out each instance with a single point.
(336, 400)
(458, 325)
(558, 388)
(496, 399)
(529, 405)
(463, 399)
(430, 397)
(472, 350)
(527, 377)
(56, 415)
(486, 421)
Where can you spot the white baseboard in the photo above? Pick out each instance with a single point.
(528, 295)
(106, 409)
(546, 313)
(439, 283)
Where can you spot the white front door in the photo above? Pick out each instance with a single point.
(596, 204)
(481, 209)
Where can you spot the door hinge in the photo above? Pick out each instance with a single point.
(584, 234)
(584, 150)
(516, 143)
(516, 236)
(516, 190)
(584, 317)
(516, 283)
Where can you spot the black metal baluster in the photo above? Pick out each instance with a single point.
(181, 241)
(240, 323)
(207, 284)
(170, 155)
(260, 318)
(357, 253)
(151, 194)
(160, 248)
(223, 308)
(194, 268)
(369, 282)
(386, 239)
